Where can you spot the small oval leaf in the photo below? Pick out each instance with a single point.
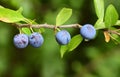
(75, 41)
(63, 16)
(99, 8)
(111, 16)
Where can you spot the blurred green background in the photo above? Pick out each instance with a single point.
(95, 58)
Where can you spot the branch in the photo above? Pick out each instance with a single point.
(47, 26)
(114, 32)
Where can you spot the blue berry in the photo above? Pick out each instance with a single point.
(63, 37)
(88, 31)
(20, 40)
(36, 39)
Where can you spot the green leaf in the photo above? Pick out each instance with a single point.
(75, 41)
(99, 24)
(26, 31)
(63, 16)
(11, 16)
(1, 6)
(115, 38)
(20, 10)
(99, 8)
(111, 16)
(117, 23)
(63, 49)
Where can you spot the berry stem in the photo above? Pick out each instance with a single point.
(31, 29)
(20, 31)
(58, 29)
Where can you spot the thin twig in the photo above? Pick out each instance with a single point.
(114, 32)
(48, 26)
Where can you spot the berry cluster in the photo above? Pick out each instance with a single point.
(22, 40)
(63, 37)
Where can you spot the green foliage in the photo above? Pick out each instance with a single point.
(11, 16)
(99, 8)
(115, 38)
(63, 16)
(118, 23)
(94, 58)
(75, 41)
(20, 10)
(99, 24)
(111, 16)
(63, 49)
(26, 31)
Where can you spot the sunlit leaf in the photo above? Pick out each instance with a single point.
(63, 16)
(118, 23)
(99, 8)
(111, 16)
(20, 10)
(11, 16)
(99, 24)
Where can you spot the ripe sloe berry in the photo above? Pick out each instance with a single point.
(20, 40)
(63, 37)
(88, 31)
(36, 39)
